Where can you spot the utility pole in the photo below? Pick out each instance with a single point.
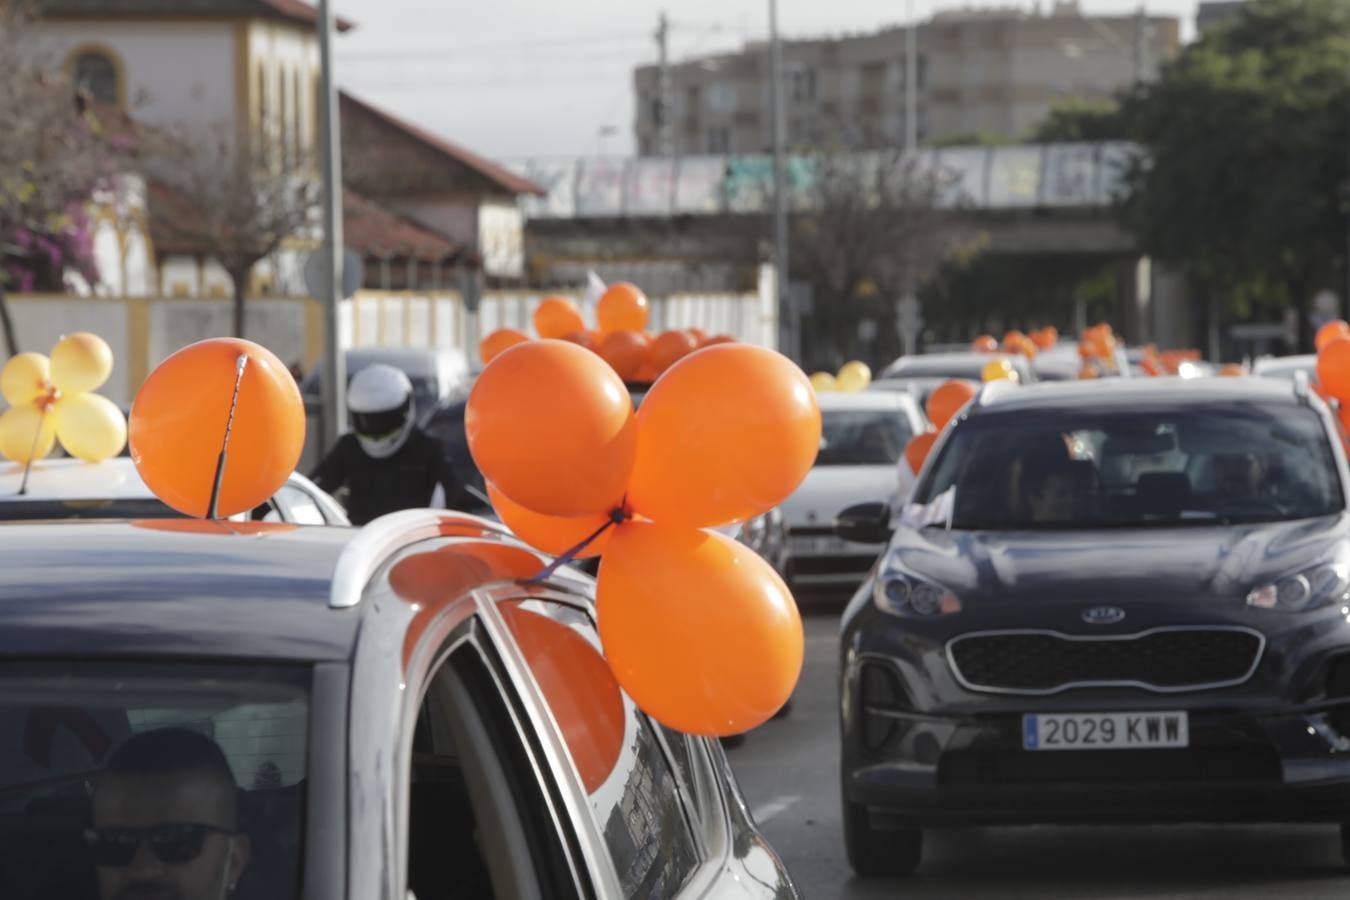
(1141, 48)
(787, 313)
(911, 83)
(663, 104)
(907, 312)
(334, 379)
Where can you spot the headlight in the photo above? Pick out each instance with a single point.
(901, 595)
(1313, 588)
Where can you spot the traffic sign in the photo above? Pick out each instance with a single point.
(353, 274)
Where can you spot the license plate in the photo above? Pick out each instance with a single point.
(1105, 731)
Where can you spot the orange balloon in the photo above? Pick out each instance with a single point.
(698, 334)
(716, 339)
(554, 535)
(1045, 338)
(1012, 340)
(626, 352)
(492, 345)
(700, 631)
(670, 347)
(178, 422)
(552, 426)
(916, 451)
(647, 374)
(1333, 368)
(1231, 370)
(1330, 331)
(622, 307)
(726, 434)
(948, 399)
(985, 343)
(583, 338)
(556, 317)
(1087, 371)
(578, 686)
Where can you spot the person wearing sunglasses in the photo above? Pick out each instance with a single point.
(166, 820)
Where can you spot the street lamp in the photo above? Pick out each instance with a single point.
(786, 313)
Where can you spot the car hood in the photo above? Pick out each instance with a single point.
(1116, 565)
(828, 490)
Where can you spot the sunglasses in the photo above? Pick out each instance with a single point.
(173, 843)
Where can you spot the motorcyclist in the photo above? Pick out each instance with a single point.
(386, 462)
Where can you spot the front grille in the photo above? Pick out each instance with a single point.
(1163, 659)
(831, 565)
(974, 768)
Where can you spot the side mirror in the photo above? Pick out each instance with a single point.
(865, 523)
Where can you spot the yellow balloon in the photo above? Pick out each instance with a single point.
(854, 376)
(19, 426)
(999, 370)
(90, 427)
(24, 378)
(823, 381)
(81, 362)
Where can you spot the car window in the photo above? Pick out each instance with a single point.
(1221, 463)
(479, 816)
(634, 791)
(190, 762)
(862, 437)
(300, 505)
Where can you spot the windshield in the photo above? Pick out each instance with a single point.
(1222, 463)
(129, 780)
(862, 437)
(126, 508)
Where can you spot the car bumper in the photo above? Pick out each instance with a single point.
(1277, 765)
(818, 559)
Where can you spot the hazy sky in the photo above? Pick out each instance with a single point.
(516, 78)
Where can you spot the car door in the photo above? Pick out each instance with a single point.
(649, 792)
(483, 815)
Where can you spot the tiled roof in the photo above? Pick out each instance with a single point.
(290, 10)
(506, 180)
(372, 230)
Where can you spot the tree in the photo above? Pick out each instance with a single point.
(55, 151)
(871, 228)
(1248, 140)
(1082, 120)
(217, 196)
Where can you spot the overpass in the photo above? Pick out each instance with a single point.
(676, 224)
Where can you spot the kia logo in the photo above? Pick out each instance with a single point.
(1103, 615)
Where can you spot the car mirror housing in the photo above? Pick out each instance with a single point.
(865, 523)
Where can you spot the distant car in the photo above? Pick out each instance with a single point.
(71, 489)
(969, 365)
(1062, 362)
(437, 376)
(863, 437)
(918, 386)
(1286, 367)
(387, 728)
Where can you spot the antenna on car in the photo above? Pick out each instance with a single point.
(240, 365)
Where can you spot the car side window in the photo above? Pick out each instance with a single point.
(633, 788)
(478, 816)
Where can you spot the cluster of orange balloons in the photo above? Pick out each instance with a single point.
(942, 406)
(700, 631)
(621, 338)
(51, 399)
(184, 411)
(1333, 366)
(1015, 341)
(1097, 350)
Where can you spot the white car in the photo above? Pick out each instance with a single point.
(71, 489)
(862, 441)
(1286, 366)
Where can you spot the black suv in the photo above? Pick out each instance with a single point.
(1112, 601)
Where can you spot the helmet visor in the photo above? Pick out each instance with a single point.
(382, 423)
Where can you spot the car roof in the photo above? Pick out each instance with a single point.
(1127, 392)
(73, 479)
(879, 399)
(242, 590)
(1281, 363)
